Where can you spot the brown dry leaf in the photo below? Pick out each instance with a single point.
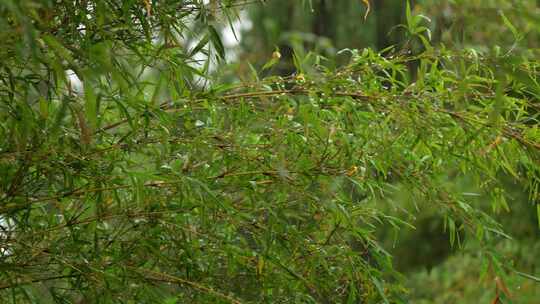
(502, 287)
(494, 144)
(86, 134)
(148, 6)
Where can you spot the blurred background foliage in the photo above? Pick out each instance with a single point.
(128, 175)
(338, 24)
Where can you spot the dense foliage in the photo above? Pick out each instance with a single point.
(133, 170)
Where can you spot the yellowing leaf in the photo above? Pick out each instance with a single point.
(260, 265)
(368, 8)
(352, 171)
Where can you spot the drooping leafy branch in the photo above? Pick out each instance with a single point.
(143, 185)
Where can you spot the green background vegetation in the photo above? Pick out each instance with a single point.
(330, 154)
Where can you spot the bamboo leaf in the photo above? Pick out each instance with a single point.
(216, 42)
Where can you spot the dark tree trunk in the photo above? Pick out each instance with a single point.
(389, 13)
(322, 23)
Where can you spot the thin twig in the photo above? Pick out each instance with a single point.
(24, 282)
(163, 277)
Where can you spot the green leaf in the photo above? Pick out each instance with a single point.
(91, 109)
(515, 32)
(380, 289)
(58, 48)
(408, 16)
(202, 43)
(216, 42)
(538, 214)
